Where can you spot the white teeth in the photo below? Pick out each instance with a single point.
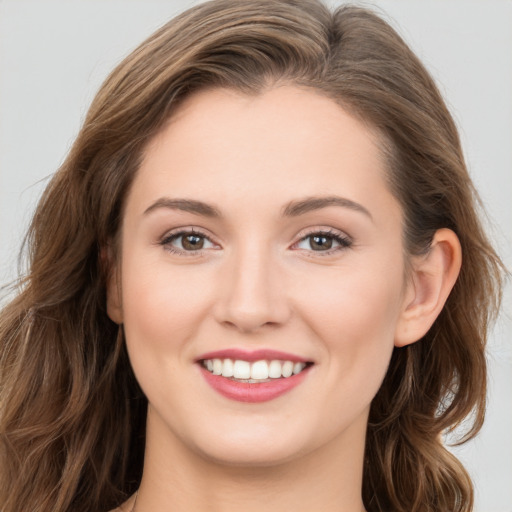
(274, 369)
(298, 367)
(217, 367)
(256, 371)
(241, 370)
(287, 369)
(259, 370)
(227, 368)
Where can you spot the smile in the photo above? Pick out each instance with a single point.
(253, 372)
(253, 376)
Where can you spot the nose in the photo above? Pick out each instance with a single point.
(253, 293)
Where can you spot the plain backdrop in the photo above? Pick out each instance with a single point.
(54, 55)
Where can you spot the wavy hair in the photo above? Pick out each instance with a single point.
(72, 416)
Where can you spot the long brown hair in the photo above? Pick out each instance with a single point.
(72, 415)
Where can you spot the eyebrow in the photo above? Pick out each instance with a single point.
(186, 205)
(308, 204)
(292, 209)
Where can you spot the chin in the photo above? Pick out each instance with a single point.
(251, 455)
(261, 446)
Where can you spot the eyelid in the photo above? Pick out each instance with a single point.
(345, 241)
(166, 239)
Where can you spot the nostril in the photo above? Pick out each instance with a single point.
(248, 323)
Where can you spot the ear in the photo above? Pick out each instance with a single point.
(113, 284)
(432, 278)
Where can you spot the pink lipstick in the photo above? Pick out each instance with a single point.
(253, 376)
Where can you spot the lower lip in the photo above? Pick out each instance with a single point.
(253, 392)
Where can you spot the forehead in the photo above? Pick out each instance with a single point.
(280, 144)
(283, 114)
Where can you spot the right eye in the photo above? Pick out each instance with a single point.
(187, 242)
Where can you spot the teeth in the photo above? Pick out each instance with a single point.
(287, 369)
(297, 368)
(257, 371)
(217, 367)
(242, 370)
(275, 369)
(227, 368)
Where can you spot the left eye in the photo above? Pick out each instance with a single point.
(188, 241)
(322, 242)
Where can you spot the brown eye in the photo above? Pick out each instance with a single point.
(320, 242)
(192, 242)
(187, 242)
(324, 242)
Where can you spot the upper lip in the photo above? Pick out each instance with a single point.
(252, 355)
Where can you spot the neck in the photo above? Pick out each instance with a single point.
(177, 478)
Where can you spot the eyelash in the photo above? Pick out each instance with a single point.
(170, 237)
(344, 241)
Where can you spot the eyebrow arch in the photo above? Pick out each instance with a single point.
(299, 207)
(186, 205)
(292, 209)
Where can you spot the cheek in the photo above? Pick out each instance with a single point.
(162, 304)
(355, 314)
(349, 303)
(356, 323)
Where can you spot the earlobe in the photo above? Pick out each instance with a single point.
(432, 278)
(113, 286)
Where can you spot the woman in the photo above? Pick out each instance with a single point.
(258, 279)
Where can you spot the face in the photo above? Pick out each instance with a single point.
(260, 236)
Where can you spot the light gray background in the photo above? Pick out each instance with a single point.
(54, 55)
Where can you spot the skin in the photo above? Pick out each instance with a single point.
(258, 283)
